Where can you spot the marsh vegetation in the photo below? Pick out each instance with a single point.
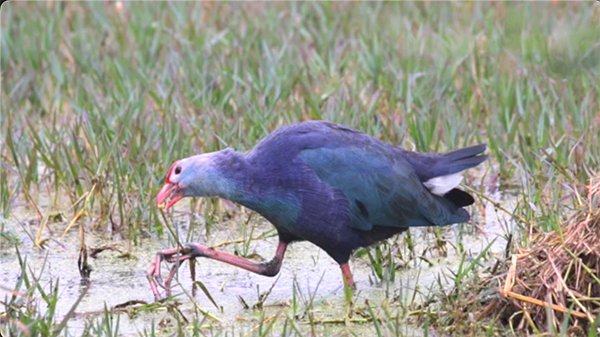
(99, 98)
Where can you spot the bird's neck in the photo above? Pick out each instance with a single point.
(246, 185)
(235, 178)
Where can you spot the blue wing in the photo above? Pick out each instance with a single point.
(381, 187)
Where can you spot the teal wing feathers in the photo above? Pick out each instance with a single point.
(381, 188)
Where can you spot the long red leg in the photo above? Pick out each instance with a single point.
(192, 250)
(347, 274)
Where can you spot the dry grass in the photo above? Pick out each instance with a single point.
(554, 283)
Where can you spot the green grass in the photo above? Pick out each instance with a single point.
(97, 100)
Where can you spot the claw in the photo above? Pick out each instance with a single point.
(174, 256)
(170, 277)
(159, 281)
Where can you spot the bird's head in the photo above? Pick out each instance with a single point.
(196, 176)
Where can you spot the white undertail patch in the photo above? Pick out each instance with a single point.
(442, 185)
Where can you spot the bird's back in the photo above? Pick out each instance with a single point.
(378, 182)
(288, 141)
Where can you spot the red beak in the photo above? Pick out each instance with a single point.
(169, 193)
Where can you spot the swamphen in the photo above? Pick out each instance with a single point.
(324, 183)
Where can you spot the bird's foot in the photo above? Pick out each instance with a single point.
(174, 256)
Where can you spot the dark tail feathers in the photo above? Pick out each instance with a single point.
(459, 160)
(459, 198)
(431, 165)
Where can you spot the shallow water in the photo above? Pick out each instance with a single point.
(116, 280)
